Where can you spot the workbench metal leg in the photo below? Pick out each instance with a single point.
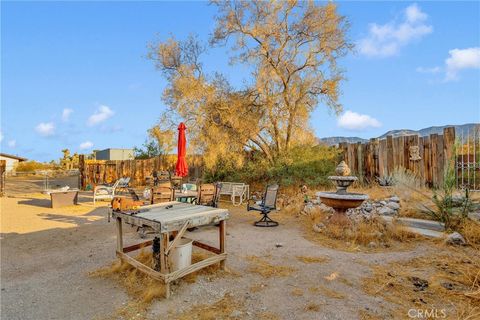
(164, 240)
(119, 235)
(223, 232)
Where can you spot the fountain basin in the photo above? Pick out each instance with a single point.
(342, 202)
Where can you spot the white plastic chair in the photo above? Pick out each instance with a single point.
(106, 192)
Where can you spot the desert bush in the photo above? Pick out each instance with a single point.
(309, 165)
(450, 209)
(30, 166)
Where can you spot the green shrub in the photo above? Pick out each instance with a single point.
(310, 165)
(30, 166)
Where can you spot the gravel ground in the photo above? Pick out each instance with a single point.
(46, 255)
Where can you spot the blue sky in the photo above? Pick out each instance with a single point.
(74, 74)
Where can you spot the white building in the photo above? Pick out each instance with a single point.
(11, 162)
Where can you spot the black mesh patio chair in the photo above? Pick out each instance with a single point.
(267, 205)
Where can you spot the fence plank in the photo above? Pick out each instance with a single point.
(381, 157)
(94, 172)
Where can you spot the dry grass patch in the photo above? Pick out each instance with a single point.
(137, 284)
(145, 289)
(308, 259)
(326, 292)
(449, 280)
(312, 306)
(267, 270)
(265, 315)
(331, 293)
(471, 231)
(374, 192)
(372, 235)
(258, 287)
(297, 292)
(367, 315)
(222, 309)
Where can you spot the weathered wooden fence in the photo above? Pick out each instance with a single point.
(95, 172)
(3, 165)
(427, 157)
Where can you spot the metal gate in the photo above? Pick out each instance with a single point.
(468, 159)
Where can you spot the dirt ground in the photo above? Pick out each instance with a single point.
(47, 255)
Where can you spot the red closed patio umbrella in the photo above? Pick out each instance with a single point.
(181, 169)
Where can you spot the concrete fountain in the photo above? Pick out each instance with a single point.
(341, 200)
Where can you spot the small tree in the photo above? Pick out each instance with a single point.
(149, 149)
(293, 50)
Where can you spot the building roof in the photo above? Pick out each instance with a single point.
(6, 155)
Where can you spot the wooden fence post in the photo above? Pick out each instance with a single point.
(390, 161)
(81, 168)
(449, 145)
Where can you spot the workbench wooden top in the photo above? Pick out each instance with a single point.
(162, 219)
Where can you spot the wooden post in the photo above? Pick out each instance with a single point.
(3, 165)
(390, 165)
(360, 161)
(448, 147)
(81, 168)
(223, 233)
(164, 269)
(119, 235)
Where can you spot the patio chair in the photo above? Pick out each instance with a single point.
(162, 193)
(107, 192)
(265, 206)
(218, 194)
(124, 184)
(189, 186)
(206, 195)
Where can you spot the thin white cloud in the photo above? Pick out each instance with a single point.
(387, 39)
(86, 145)
(101, 114)
(45, 128)
(1, 136)
(66, 114)
(429, 70)
(460, 59)
(12, 143)
(354, 121)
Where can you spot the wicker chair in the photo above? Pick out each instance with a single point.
(265, 206)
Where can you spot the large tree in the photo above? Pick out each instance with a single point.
(292, 49)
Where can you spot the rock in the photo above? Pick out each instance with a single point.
(420, 284)
(236, 313)
(394, 199)
(278, 245)
(372, 245)
(474, 216)
(378, 234)
(326, 208)
(393, 205)
(448, 285)
(382, 202)
(455, 238)
(368, 207)
(386, 211)
(318, 227)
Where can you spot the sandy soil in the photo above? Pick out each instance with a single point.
(46, 255)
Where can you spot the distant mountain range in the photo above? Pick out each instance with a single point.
(467, 129)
